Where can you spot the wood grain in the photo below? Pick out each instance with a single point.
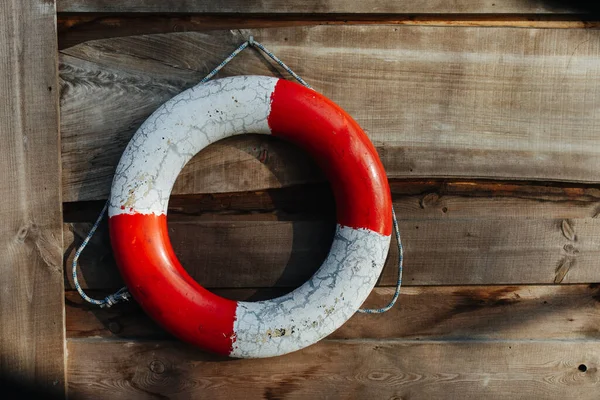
(339, 370)
(31, 294)
(78, 28)
(518, 104)
(422, 312)
(438, 252)
(316, 7)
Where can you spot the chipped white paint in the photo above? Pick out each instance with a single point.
(178, 130)
(320, 306)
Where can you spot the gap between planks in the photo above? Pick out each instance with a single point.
(374, 341)
(277, 7)
(422, 197)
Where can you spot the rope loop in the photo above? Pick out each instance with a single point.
(123, 295)
(398, 281)
(110, 300)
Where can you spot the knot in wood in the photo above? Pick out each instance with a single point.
(430, 200)
(157, 367)
(568, 230)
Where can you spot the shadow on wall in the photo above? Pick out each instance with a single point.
(13, 389)
(578, 6)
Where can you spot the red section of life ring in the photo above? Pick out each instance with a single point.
(341, 149)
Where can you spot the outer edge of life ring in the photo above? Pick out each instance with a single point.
(202, 115)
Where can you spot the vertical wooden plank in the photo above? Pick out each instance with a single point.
(31, 282)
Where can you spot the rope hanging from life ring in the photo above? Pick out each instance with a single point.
(181, 128)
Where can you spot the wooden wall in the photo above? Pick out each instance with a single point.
(486, 115)
(32, 341)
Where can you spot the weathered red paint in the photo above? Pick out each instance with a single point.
(164, 289)
(341, 148)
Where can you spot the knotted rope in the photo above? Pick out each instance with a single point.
(110, 300)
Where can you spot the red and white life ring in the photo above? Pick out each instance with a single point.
(203, 115)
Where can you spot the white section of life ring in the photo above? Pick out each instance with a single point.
(320, 306)
(178, 130)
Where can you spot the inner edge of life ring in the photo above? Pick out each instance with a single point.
(202, 115)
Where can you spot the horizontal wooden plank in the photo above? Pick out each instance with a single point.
(78, 28)
(339, 369)
(441, 101)
(520, 221)
(425, 313)
(437, 252)
(322, 7)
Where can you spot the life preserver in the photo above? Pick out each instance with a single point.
(202, 115)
